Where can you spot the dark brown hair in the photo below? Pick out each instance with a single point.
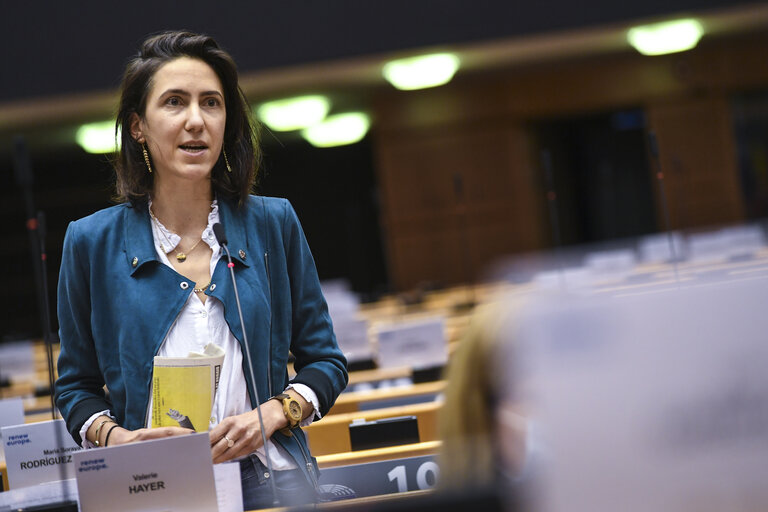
(133, 181)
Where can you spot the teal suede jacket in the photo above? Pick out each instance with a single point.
(117, 301)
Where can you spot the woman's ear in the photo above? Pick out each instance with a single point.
(136, 131)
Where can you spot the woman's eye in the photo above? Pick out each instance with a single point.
(173, 101)
(212, 102)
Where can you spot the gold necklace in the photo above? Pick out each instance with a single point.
(200, 290)
(181, 257)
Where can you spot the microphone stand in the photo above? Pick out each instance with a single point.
(36, 230)
(218, 231)
(50, 337)
(554, 219)
(653, 145)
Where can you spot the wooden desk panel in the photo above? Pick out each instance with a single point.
(378, 454)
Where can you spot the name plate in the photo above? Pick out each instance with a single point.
(11, 412)
(376, 478)
(175, 473)
(662, 248)
(708, 246)
(574, 279)
(38, 453)
(17, 358)
(419, 344)
(352, 335)
(612, 264)
(744, 240)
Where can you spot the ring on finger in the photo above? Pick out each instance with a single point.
(230, 442)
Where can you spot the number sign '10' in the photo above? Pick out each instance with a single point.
(426, 476)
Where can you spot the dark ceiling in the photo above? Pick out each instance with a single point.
(56, 48)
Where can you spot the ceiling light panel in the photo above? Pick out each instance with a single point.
(666, 37)
(293, 113)
(421, 72)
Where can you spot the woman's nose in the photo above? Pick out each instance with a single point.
(194, 118)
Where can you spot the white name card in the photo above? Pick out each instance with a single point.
(352, 335)
(38, 453)
(574, 279)
(662, 248)
(744, 239)
(11, 412)
(612, 263)
(175, 473)
(418, 344)
(17, 358)
(229, 492)
(708, 246)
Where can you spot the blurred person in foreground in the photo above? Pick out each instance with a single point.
(482, 427)
(148, 278)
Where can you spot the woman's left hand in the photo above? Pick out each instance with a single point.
(237, 436)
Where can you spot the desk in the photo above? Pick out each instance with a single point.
(331, 434)
(379, 374)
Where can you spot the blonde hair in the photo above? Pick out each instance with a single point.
(469, 452)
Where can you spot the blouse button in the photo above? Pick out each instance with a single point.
(184, 285)
(241, 253)
(135, 261)
(213, 286)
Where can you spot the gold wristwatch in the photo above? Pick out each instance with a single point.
(292, 411)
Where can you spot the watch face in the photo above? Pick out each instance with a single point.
(294, 409)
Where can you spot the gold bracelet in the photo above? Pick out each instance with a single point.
(98, 430)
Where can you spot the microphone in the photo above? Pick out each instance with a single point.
(221, 238)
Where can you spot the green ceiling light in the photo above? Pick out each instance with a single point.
(338, 130)
(666, 37)
(98, 137)
(421, 72)
(294, 113)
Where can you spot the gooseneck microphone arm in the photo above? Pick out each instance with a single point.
(221, 238)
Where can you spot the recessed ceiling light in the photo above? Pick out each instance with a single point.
(98, 137)
(666, 37)
(421, 72)
(294, 113)
(338, 130)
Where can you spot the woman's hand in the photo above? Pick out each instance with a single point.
(237, 436)
(121, 435)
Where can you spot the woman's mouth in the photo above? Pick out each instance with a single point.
(193, 148)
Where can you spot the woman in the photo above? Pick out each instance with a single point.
(147, 278)
(483, 427)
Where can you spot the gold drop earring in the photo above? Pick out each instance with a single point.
(146, 156)
(226, 160)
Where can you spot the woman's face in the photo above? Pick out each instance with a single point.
(184, 120)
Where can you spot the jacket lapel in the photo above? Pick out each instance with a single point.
(139, 243)
(236, 231)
